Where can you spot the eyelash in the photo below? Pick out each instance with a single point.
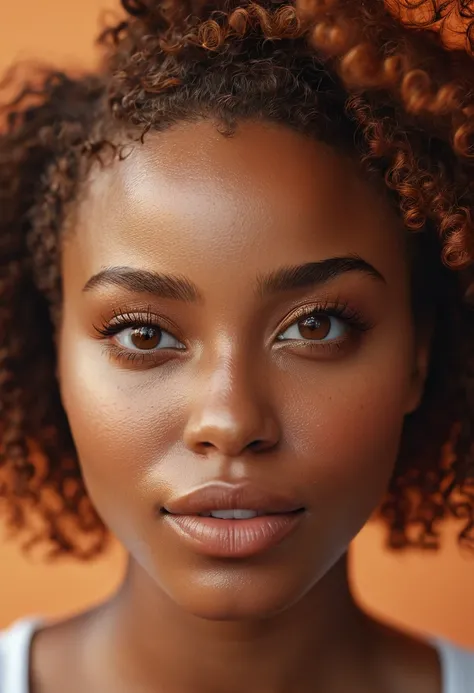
(341, 310)
(125, 319)
(335, 309)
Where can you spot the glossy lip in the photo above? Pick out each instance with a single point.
(279, 517)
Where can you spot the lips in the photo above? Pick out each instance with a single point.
(225, 521)
(217, 497)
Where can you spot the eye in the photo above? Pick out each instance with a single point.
(146, 338)
(316, 327)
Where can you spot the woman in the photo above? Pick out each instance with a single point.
(235, 273)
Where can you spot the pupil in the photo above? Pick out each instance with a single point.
(146, 337)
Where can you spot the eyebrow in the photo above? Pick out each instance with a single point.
(314, 274)
(179, 288)
(145, 281)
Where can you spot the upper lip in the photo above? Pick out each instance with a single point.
(230, 497)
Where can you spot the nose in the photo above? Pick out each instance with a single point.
(230, 415)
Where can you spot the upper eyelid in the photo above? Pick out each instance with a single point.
(333, 308)
(126, 317)
(340, 310)
(130, 316)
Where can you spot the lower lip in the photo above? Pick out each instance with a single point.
(234, 538)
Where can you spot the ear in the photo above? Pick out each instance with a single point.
(421, 364)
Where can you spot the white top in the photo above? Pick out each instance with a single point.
(457, 664)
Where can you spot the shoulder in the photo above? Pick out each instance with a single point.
(457, 666)
(14, 655)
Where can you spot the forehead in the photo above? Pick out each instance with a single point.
(189, 199)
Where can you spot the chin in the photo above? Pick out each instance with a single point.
(236, 594)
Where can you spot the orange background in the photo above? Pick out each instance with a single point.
(430, 593)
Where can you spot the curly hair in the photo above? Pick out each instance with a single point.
(345, 72)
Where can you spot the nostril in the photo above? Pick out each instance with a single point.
(258, 445)
(204, 446)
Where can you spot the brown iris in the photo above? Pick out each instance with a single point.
(315, 326)
(145, 337)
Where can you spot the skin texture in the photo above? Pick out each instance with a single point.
(225, 212)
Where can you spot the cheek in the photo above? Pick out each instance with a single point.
(356, 418)
(348, 433)
(123, 424)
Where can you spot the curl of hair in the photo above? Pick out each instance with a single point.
(347, 73)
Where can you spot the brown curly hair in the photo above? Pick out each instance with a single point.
(345, 72)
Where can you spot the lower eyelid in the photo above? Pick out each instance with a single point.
(118, 354)
(316, 349)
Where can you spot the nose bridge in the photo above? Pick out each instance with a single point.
(232, 410)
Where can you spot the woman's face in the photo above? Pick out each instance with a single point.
(237, 334)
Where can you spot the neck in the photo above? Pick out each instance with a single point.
(308, 647)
